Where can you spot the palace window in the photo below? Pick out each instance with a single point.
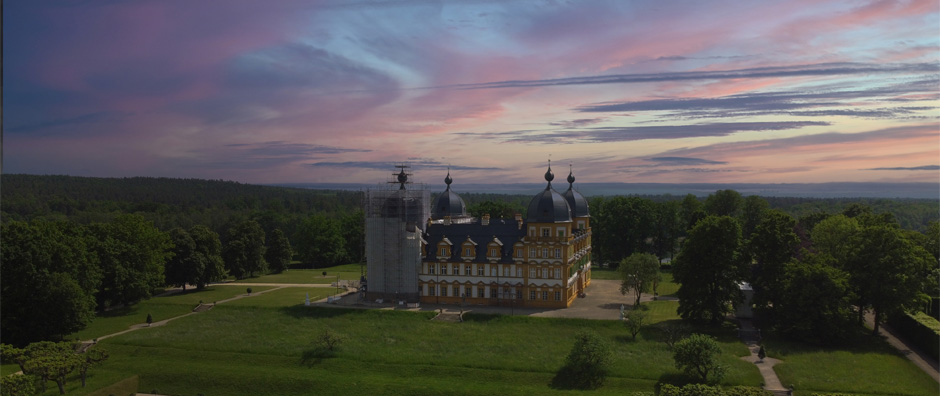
(545, 295)
(545, 273)
(492, 292)
(468, 252)
(431, 269)
(557, 253)
(519, 272)
(545, 253)
(532, 295)
(532, 252)
(561, 233)
(481, 271)
(480, 292)
(493, 271)
(443, 290)
(444, 252)
(506, 271)
(443, 269)
(431, 289)
(493, 252)
(456, 269)
(557, 273)
(546, 232)
(468, 270)
(557, 296)
(519, 253)
(532, 273)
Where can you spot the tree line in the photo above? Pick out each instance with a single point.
(812, 277)
(57, 274)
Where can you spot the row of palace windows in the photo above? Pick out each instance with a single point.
(508, 293)
(494, 252)
(545, 273)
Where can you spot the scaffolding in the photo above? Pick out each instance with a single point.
(395, 215)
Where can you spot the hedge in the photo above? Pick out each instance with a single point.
(920, 329)
(706, 390)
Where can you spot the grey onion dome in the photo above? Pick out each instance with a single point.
(548, 206)
(448, 203)
(576, 201)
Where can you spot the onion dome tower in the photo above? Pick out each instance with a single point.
(577, 203)
(548, 206)
(448, 203)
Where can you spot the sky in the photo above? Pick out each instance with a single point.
(285, 91)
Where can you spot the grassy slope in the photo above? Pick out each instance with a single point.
(160, 308)
(253, 350)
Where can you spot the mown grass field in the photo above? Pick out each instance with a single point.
(345, 272)
(160, 308)
(865, 366)
(252, 350)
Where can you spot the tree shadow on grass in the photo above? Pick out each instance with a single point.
(315, 356)
(302, 311)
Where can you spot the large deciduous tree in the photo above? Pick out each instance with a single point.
(772, 245)
(709, 268)
(133, 254)
(755, 208)
(320, 242)
(622, 227)
(244, 251)
(638, 273)
(279, 253)
(667, 229)
(209, 251)
(887, 271)
(183, 267)
(814, 304)
(724, 203)
(49, 279)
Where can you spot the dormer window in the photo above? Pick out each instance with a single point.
(546, 232)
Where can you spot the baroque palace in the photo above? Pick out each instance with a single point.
(540, 260)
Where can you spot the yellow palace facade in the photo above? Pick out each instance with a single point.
(540, 260)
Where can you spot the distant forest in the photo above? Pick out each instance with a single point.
(217, 204)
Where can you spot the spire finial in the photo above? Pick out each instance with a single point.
(570, 174)
(448, 179)
(549, 176)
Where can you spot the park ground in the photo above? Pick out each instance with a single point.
(263, 344)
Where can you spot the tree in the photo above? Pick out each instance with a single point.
(638, 273)
(279, 253)
(184, 266)
(815, 301)
(667, 228)
(772, 245)
(352, 226)
(724, 203)
(320, 242)
(636, 319)
(90, 358)
(50, 361)
(328, 340)
(244, 251)
(623, 227)
(587, 364)
(831, 236)
(49, 279)
(755, 208)
(887, 271)
(17, 385)
(691, 210)
(709, 268)
(697, 355)
(209, 252)
(133, 254)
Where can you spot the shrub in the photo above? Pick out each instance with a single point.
(697, 355)
(586, 365)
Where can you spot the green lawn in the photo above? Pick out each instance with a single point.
(283, 297)
(604, 273)
(345, 272)
(239, 349)
(8, 368)
(160, 308)
(868, 366)
(666, 286)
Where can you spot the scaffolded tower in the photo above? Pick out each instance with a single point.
(396, 214)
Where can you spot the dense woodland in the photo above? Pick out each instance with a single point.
(73, 245)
